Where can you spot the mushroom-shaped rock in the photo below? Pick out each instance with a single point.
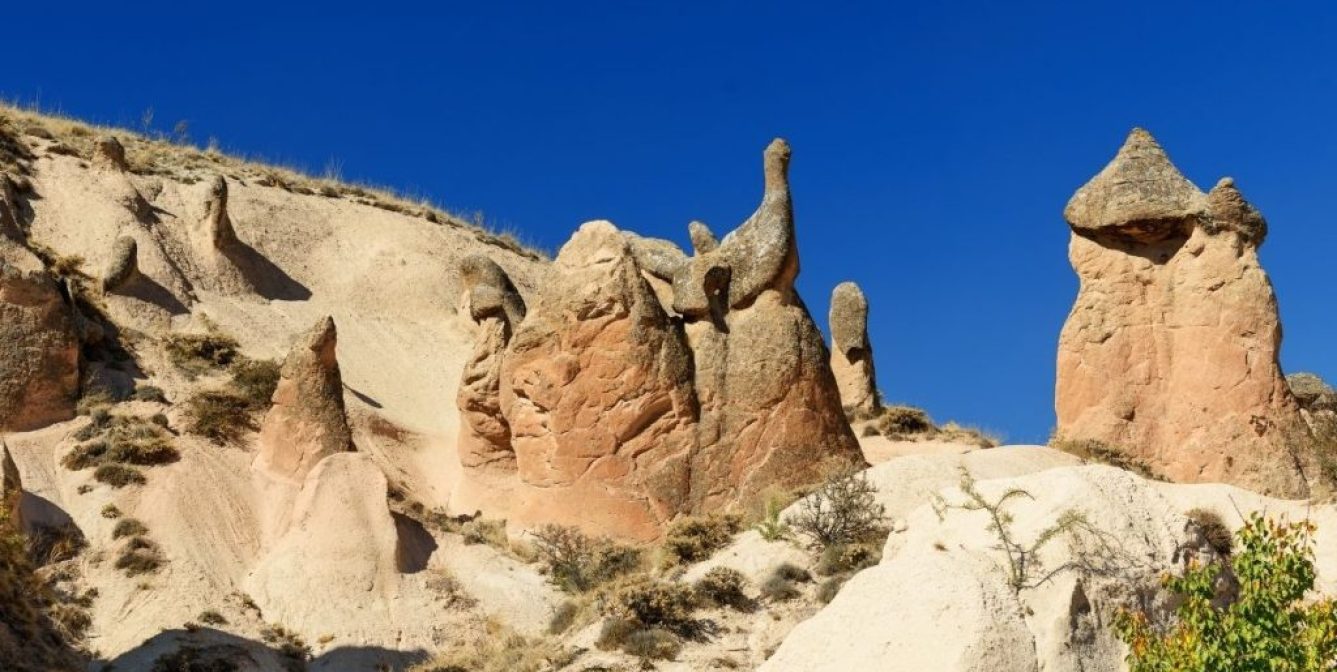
(851, 353)
(123, 265)
(217, 225)
(597, 389)
(1139, 195)
(39, 349)
(1170, 353)
(108, 153)
(497, 308)
(307, 421)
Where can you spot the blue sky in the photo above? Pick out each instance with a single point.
(935, 144)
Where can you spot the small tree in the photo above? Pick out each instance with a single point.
(844, 510)
(1266, 628)
(1022, 559)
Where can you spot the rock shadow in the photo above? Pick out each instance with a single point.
(264, 276)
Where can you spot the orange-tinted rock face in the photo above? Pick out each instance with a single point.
(1170, 353)
(307, 421)
(621, 416)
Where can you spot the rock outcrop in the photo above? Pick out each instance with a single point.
(109, 153)
(1170, 352)
(771, 414)
(39, 350)
(11, 486)
(307, 421)
(217, 225)
(645, 383)
(598, 394)
(123, 265)
(497, 308)
(851, 351)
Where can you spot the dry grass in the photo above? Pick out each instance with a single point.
(219, 415)
(907, 423)
(172, 155)
(1092, 450)
(500, 650)
(696, 538)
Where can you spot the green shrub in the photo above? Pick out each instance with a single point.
(218, 415)
(1269, 626)
(772, 526)
(129, 527)
(118, 476)
(577, 563)
(695, 538)
(723, 587)
(844, 510)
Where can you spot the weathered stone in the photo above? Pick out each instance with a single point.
(597, 390)
(307, 421)
(39, 351)
(11, 486)
(497, 308)
(703, 239)
(1312, 392)
(124, 263)
(771, 413)
(1170, 352)
(108, 153)
(217, 224)
(851, 352)
(660, 258)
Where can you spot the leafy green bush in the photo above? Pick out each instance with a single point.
(1268, 627)
(695, 538)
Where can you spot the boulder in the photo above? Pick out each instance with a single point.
(123, 265)
(1170, 352)
(307, 421)
(851, 351)
(597, 390)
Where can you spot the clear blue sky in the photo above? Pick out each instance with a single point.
(935, 144)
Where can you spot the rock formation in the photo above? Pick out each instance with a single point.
(217, 225)
(598, 393)
(621, 416)
(851, 352)
(1170, 352)
(124, 263)
(497, 308)
(108, 153)
(39, 351)
(771, 414)
(11, 487)
(307, 421)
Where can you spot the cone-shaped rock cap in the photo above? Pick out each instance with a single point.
(1229, 211)
(1139, 194)
(777, 165)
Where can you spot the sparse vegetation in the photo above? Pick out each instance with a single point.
(198, 354)
(139, 556)
(211, 617)
(576, 563)
(218, 415)
(500, 650)
(1269, 626)
(191, 658)
(653, 603)
(1092, 450)
(695, 538)
(119, 476)
(724, 587)
(111, 511)
(120, 441)
(907, 423)
(772, 526)
(489, 532)
(254, 380)
(1022, 559)
(563, 617)
(129, 527)
(828, 589)
(149, 393)
(847, 559)
(288, 644)
(844, 510)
